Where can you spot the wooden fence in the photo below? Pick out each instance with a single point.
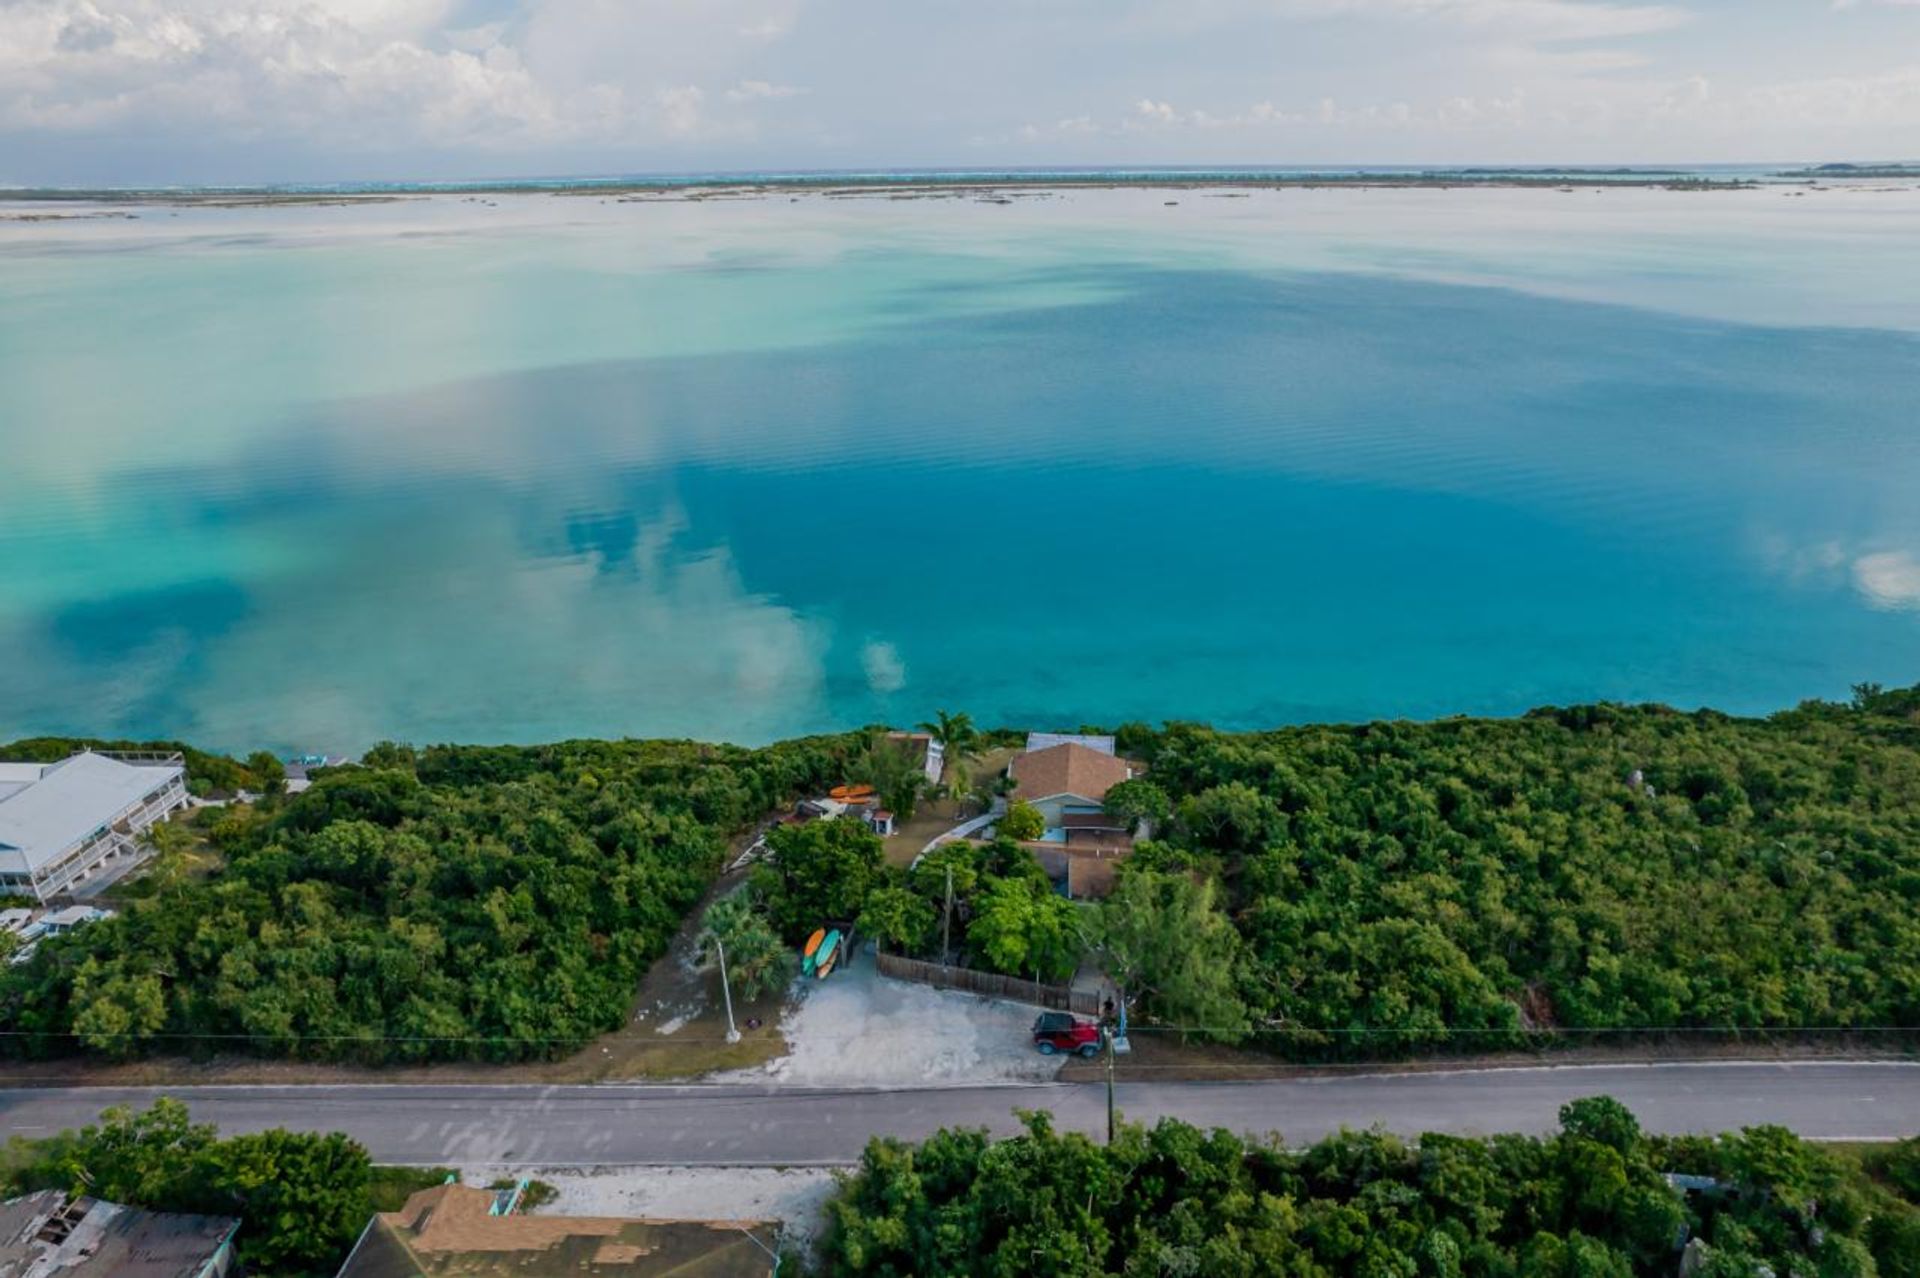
(990, 984)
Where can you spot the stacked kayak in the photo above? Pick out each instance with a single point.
(827, 955)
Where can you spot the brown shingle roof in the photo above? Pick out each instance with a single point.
(1066, 769)
(447, 1232)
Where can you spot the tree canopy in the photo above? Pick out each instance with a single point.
(301, 1197)
(1462, 883)
(454, 902)
(1590, 1202)
(818, 874)
(757, 961)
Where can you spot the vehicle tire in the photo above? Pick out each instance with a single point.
(1047, 1049)
(1090, 1051)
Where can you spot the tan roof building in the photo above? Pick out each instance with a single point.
(451, 1231)
(1068, 768)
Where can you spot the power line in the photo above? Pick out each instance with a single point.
(1135, 1027)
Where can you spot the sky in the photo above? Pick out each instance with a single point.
(238, 91)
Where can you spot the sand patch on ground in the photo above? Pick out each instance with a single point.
(859, 1029)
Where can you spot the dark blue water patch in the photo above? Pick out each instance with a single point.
(194, 611)
(610, 537)
(162, 637)
(1236, 597)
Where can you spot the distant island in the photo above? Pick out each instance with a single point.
(1895, 170)
(903, 184)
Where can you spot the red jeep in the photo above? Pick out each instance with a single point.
(1060, 1032)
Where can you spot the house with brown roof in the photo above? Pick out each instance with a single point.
(1066, 778)
(457, 1231)
(1068, 783)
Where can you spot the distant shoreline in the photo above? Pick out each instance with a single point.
(902, 186)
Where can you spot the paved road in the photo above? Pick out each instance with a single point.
(557, 1126)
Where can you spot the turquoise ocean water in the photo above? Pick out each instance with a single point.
(520, 467)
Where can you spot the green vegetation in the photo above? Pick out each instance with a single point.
(757, 960)
(1021, 927)
(1138, 800)
(1170, 949)
(1591, 1202)
(302, 1198)
(1468, 885)
(388, 1188)
(538, 1193)
(206, 773)
(895, 775)
(960, 740)
(493, 903)
(1459, 884)
(1022, 822)
(818, 875)
(1327, 891)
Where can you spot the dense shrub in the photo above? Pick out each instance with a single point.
(1601, 868)
(301, 1197)
(1591, 1202)
(493, 902)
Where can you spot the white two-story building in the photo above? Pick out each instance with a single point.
(70, 825)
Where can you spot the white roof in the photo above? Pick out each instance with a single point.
(70, 800)
(1048, 740)
(15, 777)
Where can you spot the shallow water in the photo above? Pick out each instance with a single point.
(537, 466)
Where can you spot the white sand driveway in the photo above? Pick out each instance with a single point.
(859, 1029)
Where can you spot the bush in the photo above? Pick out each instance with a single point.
(1022, 822)
(464, 903)
(302, 1198)
(1172, 1199)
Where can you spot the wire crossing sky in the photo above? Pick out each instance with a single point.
(211, 91)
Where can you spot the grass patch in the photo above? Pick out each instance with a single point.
(388, 1188)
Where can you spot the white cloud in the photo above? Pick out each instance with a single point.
(1889, 579)
(1551, 20)
(365, 73)
(671, 83)
(1529, 19)
(680, 108)
(760, 90)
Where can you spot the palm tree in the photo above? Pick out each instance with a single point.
(956, 734)
(757, 961)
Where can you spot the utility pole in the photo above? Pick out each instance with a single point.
(1109, 1088)
(946, 927)
(733, 1035)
